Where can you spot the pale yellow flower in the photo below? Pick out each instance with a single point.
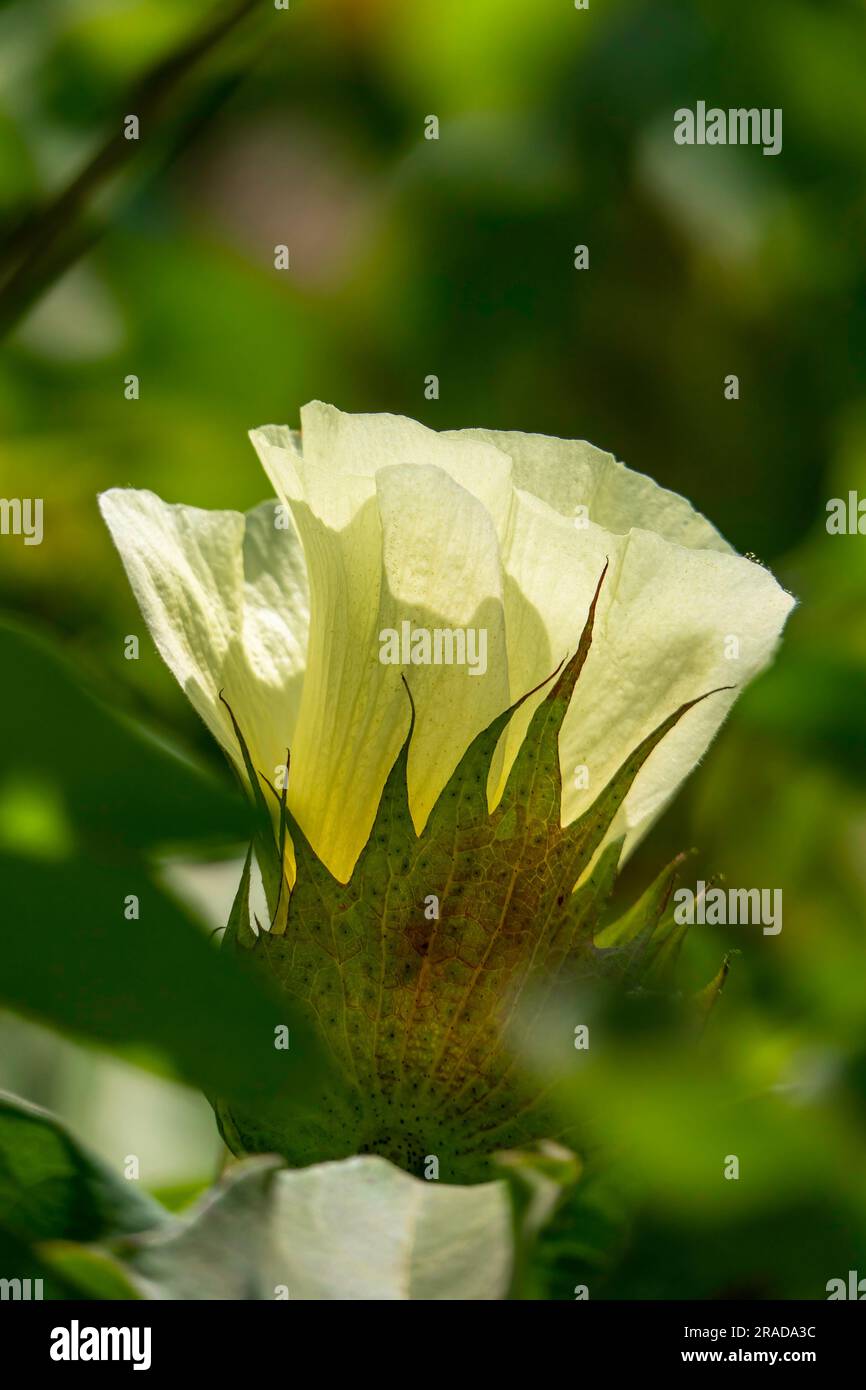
(380, 521)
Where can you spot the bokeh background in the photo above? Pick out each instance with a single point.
(455, 257)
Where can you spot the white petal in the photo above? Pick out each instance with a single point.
(225, 598)
(401, 544)
(674, 593)
(442, 570)
(569, 474)
(551, 570)
(663, 636)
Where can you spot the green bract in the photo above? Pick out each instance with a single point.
(415, 969)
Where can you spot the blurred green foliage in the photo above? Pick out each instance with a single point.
(455, 257)
(91, 943)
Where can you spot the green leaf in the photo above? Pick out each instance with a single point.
(20, 1261)
(360, 1229)
(69, 956)
(90, 1273)
(51, 1188)
(120, 787)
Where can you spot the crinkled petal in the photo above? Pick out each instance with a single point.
(225, 598)
(571, 475)
(672, 624)
(400, 543)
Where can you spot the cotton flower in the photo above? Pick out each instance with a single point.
(384, 522)
(492, 659)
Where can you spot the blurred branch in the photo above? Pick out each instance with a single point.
(46, 243)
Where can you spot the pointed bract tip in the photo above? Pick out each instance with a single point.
(570, 668)
(411, 703)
